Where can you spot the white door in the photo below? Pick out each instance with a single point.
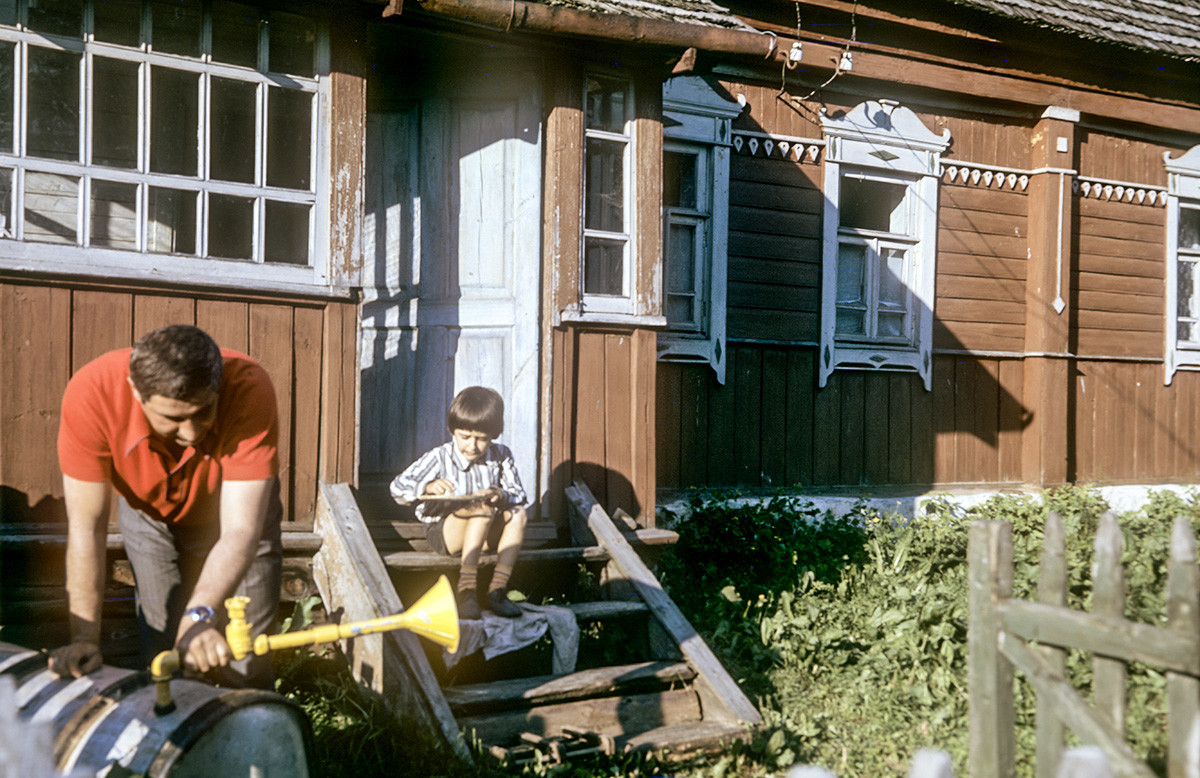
(451, 256)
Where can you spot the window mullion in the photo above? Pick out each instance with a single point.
(204, 131)
(260, 171)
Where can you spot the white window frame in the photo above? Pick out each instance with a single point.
(1183, 192)
(79, 258)
(884, 141)
(622, 304)
(699, 120)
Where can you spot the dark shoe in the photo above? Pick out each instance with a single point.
(498, 603)
(468, 604)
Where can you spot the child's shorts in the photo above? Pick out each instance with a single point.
(437, 540)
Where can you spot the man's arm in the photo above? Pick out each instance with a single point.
(87, 504)
(243, 513)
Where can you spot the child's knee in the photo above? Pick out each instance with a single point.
(518, 516)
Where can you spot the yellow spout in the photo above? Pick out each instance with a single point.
(162, 667)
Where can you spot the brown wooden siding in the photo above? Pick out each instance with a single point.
(1131, 428)
(769, 426)
(1119, 278)
(775, 208)
(980, 302)
(50, 329)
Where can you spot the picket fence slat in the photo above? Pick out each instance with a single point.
(991, 715)
(1072, 709)
(1052, 590)
(1183, 691)
(1115, 638)
(1108, 599)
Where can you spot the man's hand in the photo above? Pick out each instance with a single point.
(76, 659)
(204, 650)
(440, 486)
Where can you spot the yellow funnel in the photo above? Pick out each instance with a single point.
(434, 616)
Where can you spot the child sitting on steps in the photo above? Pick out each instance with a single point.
(471, 465)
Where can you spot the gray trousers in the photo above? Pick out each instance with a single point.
(166, 562)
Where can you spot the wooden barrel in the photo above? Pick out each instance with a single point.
(107, 718)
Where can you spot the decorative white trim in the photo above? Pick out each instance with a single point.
(749, 143)
(985, 175)
(1120, 191)
(884, 139)
(1183, 186)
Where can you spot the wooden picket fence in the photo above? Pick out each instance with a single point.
(1033, 637)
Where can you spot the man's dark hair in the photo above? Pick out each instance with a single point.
(477, 408)
(179, 362)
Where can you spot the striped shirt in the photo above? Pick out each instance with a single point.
(495, 468)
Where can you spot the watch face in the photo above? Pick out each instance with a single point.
(201, 613)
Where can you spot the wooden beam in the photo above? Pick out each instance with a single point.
(711, 673)
(355, 586)
(539, 690)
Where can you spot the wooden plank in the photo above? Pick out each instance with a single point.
(539, 690)
(1183, 691)
(1108, 600)
(945, 434)
(747, 416)
(151, 311)
(1012, 419)
(227, 321)
(711, 674)
(801, 382)
(686, 739)
(722, 434)
(668, 397)
(307, 406)
(617, 424)
(271, 346)
(611, 716)
(984, 425)
(693, 429)
(1052, 591)
(827, 431)
(1111, 637)
(898, 410)
(589, 447)
(428, 560)
(100, 322)
(606, 609)
(773, 415)
(1089, 727)
(354, 582)
(991, 714)
(645, 430)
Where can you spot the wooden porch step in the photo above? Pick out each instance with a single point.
(606, 609)
(686, 739)
(429, 561)
(544, 689)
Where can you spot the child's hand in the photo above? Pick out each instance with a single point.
(490, 495)
(440, 486)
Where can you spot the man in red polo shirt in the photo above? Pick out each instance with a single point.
(185, 433)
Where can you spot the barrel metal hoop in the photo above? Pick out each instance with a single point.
(203, 718)
(79, 727)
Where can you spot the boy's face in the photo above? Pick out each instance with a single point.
(472, 444)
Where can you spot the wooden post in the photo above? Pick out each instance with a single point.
(1108, 594)
(1183, 691)
(990, 675)
(1052, 590)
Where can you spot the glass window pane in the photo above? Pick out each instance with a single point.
(1186, 331)
(230, 227)
(872, 205)
(679, 180)
(7, 52)
(849, 322)
(681, 258)
(286, 233)
(603, 267)
(235, 34)
(1189, 228)
(114, 215)
(1187, 302)
(893, 290)
(171, 221)
(891, 325)
(114, 112)
(8, 12)
(232, 144)
(57, 17)
(606, 102)
(289, 133)
(605, 185)
(6, 203)
(174, 122)
(118, 21)
(175, 27)
(681, 309)
(53, 121)
(851, 274)
(292, 44)
(51, 207)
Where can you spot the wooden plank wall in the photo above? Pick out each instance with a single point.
(770, 427)
(50, 329)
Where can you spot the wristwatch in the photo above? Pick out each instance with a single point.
(200, 613)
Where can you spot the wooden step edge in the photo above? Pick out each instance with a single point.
(540, 690)
(605, 609)
(44, 536)
(416, 561)
(679, 741)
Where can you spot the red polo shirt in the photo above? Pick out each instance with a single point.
(104, 436)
